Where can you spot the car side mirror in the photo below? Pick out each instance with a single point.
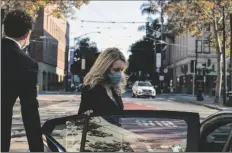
(128, 131)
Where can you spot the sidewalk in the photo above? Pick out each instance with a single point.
(207, 102)
(57, 97)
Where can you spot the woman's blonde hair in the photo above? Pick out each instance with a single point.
(98, 72)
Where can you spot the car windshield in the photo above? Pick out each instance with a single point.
(146, 84)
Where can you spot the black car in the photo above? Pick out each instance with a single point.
(140, 131)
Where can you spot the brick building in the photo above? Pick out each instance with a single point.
(49, 46)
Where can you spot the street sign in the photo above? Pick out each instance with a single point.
(161, 78)
(83, 64)
(158, 60)
(165, 70)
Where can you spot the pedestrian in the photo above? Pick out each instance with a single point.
(105, 83)
(19, 79)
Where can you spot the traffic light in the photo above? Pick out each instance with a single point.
(192, 66)
(209, 62)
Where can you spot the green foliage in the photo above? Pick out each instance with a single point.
(188, 18)
(142, 51)
(87, 50)
(61, 7)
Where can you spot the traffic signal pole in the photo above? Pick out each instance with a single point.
(193, 81)
(162, 52)
(231, 52)
(224, 59)
(229, 102)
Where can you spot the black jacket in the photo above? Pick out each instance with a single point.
(19, 79)
(98, 100)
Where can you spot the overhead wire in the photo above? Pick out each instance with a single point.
(102, 15)
(108, 21)
(114, 22)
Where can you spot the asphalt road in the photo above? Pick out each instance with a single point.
(167, 102)
(70, 107)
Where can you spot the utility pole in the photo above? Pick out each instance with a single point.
(229, 103)
(2, 17)
(194, 74)
(224, 58)
(231, 52)
(162, 54)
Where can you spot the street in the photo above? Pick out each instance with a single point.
(55, 105)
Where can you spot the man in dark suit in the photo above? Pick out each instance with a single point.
(19, 79)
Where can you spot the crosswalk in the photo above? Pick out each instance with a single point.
(46, 113)
(152, 123)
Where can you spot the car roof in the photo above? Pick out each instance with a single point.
(221, 112)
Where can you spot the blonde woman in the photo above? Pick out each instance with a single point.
(105, 83)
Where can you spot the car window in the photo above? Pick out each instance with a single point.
(144, 84)
(128, 134)
(69, 135)
(217, 139)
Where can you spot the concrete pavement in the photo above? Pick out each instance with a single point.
(207, 102)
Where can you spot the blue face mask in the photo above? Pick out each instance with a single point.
(115, 78)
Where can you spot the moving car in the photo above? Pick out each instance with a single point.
(143, 88)
(140, 131)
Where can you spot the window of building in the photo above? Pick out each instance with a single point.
(50, 25)
(207, 27)
(52, 28)
(47, 27)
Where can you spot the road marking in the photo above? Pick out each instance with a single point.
(159, 123)
(139, 123)
(145, 124)
(137, 106)
(151, 123)
(165, 123)
(172, 124)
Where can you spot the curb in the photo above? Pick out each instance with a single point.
(205, 105)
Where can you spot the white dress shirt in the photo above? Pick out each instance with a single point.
(14, 41)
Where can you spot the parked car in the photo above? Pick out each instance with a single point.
(143, 88)
(140, 131)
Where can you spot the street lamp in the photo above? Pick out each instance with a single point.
(76, 38)
(88, 33)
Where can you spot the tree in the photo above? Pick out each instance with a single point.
(192, 16)
(154, 23)
(86, 50)
(141, 50)
(61, 8)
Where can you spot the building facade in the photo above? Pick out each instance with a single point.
(49, 46)
(70, 62)
(180, 55)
